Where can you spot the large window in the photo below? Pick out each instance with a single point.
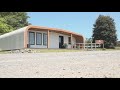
(44, 39)
(32, 38)
(69, 40)
(38, 38)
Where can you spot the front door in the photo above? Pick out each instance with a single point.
(61, 41)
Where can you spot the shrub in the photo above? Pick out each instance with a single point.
(65, 45)
(77, 47)
(104, 49)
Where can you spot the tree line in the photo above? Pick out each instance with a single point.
(10, 21)
(104, 29)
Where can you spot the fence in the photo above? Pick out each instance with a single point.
(87, 45)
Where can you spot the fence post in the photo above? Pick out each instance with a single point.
(95, 46)
(91, 45)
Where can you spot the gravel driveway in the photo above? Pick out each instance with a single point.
(84, 64)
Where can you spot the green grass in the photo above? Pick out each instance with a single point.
(46, 50)
(101, 49)
(63, 50)
(72, 50)
(4, 52)
(117, 48)
(55, 50)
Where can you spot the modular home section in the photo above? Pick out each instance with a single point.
(12, 40)
(39, 37)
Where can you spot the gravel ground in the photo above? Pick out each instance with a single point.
(84, 64)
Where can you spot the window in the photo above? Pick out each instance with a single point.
(38, 38)
(32, 38)
(69, 40)
(44, 39)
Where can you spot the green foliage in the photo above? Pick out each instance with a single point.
(78, 47)
(4, 28)
(118, 44)
(12, 20)
(104, 49)
(104, 29)
(88, 40)
(65, 45)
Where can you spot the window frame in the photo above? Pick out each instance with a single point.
(69, 40)
(44, 34)
(36, 38)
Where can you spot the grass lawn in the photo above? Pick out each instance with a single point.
(63, 50)
(46, 50)
(55, 50)
(117, 48)
(4, 52)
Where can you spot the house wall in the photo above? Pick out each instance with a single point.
(54, 40)
(66, 39)
(37, 46)
(12, 40)
(15, 40)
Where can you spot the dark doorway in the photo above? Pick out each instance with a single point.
(61, 41)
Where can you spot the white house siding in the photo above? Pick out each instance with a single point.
(66, 39)
(12, 40)
(73, 42)
(54, 40)
(37, 46)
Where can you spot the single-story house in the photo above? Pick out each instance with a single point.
(38, 37)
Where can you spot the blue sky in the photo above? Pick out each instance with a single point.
(79, 22)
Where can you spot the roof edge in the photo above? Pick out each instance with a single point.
(44, 27)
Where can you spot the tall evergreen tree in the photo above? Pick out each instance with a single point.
(104, 29)
(12, 20)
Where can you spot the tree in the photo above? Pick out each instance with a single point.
(4, 27)
(88, 40)
(10, 21)
(104, 29)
